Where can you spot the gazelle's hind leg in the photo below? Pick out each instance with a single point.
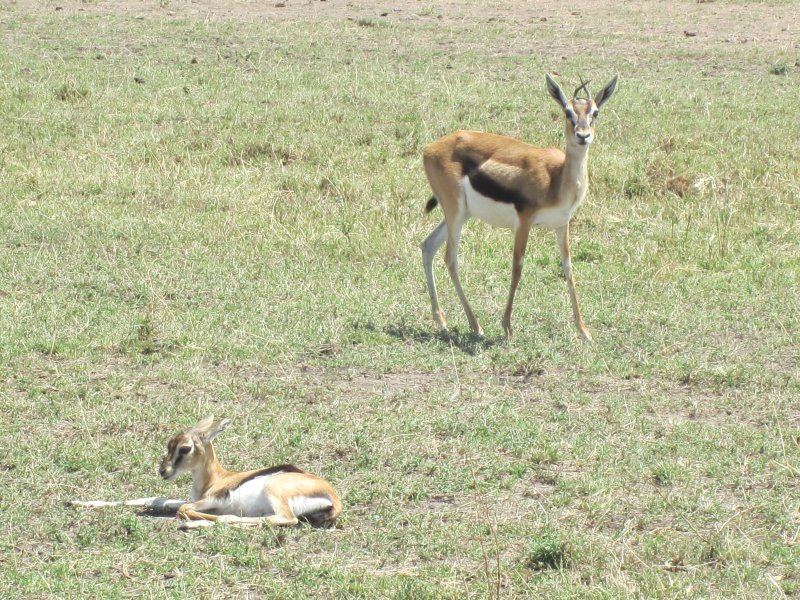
(451, 259)
(193, 519)
(429, 247)
(282, 520)
(284, 515)
(445, 176)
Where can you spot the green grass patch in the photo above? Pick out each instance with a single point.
(222, 216)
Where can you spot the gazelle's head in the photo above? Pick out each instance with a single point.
(581, 113)
(189, 448)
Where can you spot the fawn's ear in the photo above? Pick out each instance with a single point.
(555, 91)
(201, 426)
(217, 428)
(606, 93)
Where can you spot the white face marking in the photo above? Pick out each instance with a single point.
(178, 458)
(581, 114)
(497, 214)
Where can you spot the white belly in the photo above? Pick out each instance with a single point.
(249, 500)
(497, 214)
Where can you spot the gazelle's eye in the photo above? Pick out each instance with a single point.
(595, 114)
(184, 450)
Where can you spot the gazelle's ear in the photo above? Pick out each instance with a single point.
(555, 91)
(606, 93)
(202, 426)
(217, 428)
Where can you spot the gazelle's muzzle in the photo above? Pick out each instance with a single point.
(166, 470)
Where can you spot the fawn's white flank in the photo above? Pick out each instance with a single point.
(510, 184)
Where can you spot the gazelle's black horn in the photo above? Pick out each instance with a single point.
(583, 86)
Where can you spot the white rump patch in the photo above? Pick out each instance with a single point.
(305, 505)
(497, 214)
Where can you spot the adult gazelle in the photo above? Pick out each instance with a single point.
(508, 183)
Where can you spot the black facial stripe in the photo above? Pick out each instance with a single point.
(572, 117)
(182, 451)
(486, 186)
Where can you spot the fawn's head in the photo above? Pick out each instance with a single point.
(188, 449)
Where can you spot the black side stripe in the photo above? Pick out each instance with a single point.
(486, 186)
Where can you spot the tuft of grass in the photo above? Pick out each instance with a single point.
(780, 68)
(365, 22)
(143, 337)
(547, 550)
(69, 92)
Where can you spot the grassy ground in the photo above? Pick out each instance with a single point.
(223, 216)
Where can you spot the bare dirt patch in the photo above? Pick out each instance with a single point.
(663, 24)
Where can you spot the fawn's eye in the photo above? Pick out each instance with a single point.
(184, 450)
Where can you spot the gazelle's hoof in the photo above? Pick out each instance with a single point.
(507, 330)
(439, 319)
(476, 329)
(586, 337)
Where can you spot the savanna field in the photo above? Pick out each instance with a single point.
(216, 208)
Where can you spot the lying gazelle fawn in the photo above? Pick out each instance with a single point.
(510, 184)
(279, 495)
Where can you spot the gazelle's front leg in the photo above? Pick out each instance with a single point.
(232, 520)
(200, 510)
(193, 517)
(153, 504)
(429, 247)
(562, 236)
(520, 244)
